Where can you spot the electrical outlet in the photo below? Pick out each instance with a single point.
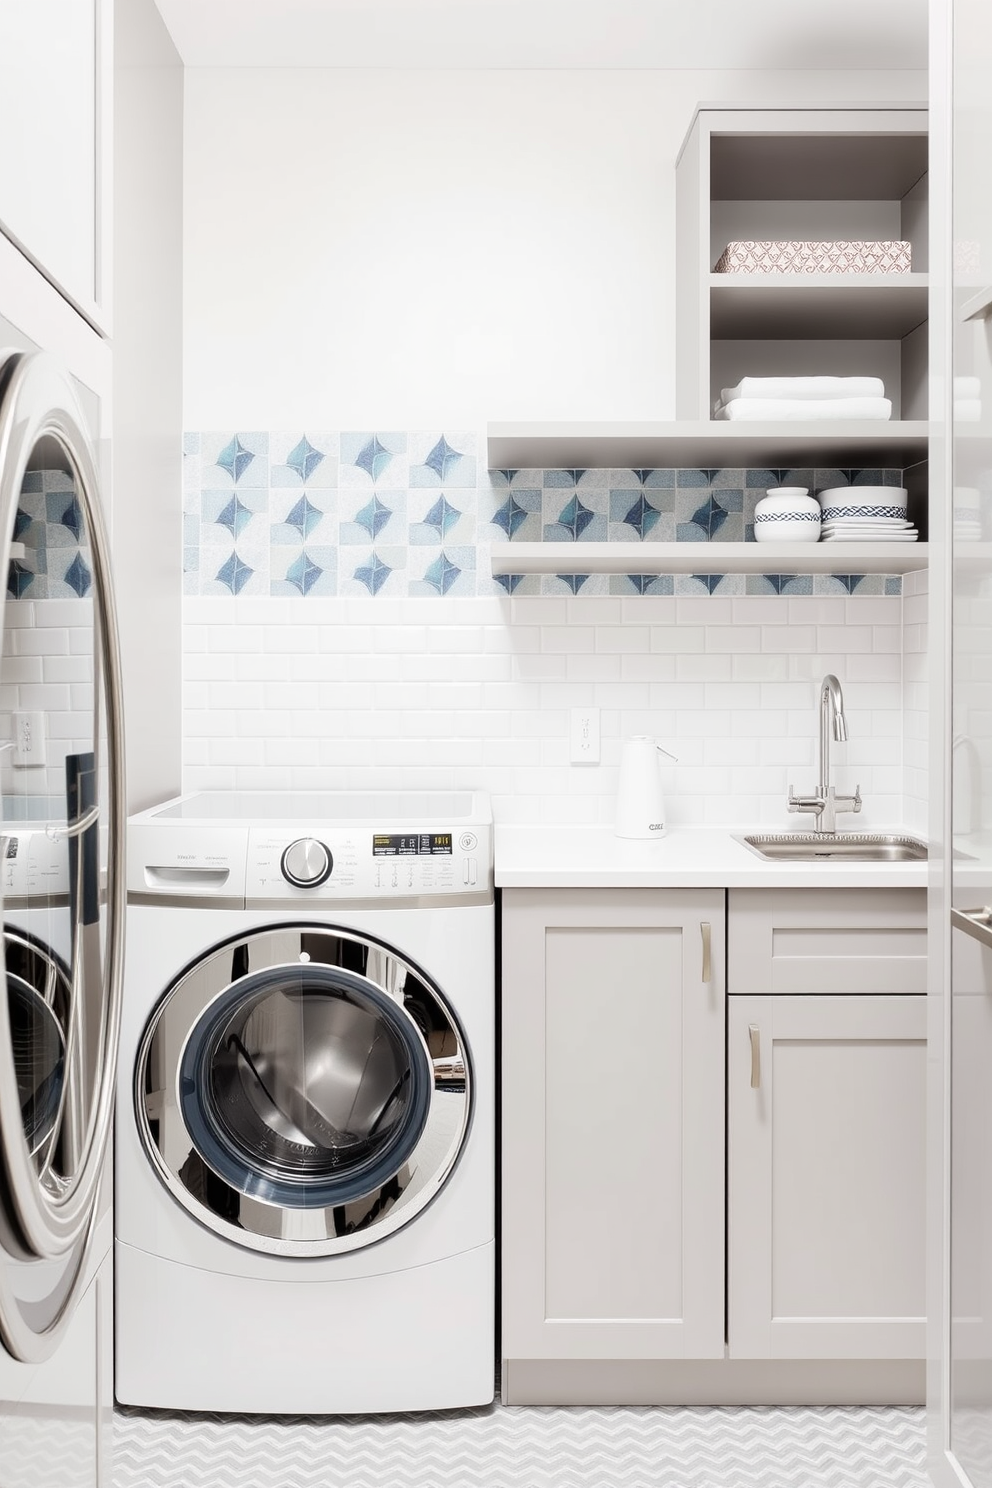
(29, 738)
(584, 736)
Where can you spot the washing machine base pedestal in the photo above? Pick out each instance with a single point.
(411, 1340)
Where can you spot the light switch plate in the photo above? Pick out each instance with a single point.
(584, 736)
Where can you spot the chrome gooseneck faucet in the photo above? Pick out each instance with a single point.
(826, 803)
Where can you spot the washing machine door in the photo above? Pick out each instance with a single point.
(303, 1090)
(61, 829)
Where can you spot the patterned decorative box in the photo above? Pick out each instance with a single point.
(815, 258)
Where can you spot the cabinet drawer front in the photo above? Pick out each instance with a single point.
(808, 941)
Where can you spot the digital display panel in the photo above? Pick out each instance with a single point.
(411, 844)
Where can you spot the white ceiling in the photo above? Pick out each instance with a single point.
(696, 34)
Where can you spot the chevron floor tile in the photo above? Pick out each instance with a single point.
(529, 1447)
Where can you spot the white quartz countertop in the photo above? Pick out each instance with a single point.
(551, 856)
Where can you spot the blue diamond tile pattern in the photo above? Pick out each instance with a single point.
(235, 574)
(235, 516)
(373, 457)
(72, 518)
(575, 517)
(235, 459)
(78, 576)
(304, 459)
(304, 573)
(442, 515)
(710, 516)
(689, 504)
(22, 521)
(19, 578)
(510, 516)
(442, 459)
(441, 574)
(373, 574)
(374, 516)
(530, 1447)
(642, 516)
(304, 516)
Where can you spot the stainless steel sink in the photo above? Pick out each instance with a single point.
(845, 847)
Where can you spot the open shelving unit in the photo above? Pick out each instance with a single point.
(752, 174)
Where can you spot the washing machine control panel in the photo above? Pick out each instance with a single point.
(363, 862)
(34, 864)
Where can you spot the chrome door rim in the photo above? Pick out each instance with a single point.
(48, 1221)
(263, 1221)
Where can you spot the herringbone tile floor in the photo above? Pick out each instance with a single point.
(529, 1447)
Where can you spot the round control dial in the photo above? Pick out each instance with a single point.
(306, 863)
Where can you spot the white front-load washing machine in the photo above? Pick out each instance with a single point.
(305, 1140)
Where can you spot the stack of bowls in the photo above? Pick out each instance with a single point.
(787, 514)
(866, 514)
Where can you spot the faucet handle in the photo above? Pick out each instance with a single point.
(804, 803)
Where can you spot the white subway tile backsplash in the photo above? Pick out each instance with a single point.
(776, 639)
(704, 668)
(445, 693)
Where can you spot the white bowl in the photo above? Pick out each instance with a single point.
(863, 501)
(787, 529)
(787, 517)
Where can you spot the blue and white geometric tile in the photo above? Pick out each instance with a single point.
(581, 517)
(303, 461)
(367, 516)
(233, 511)
(775, 583)
(437, 518)
(443, 572)
(588, 585)
(642, 584)
(297, 516)
(372, 459)
(372, 571)
(517, 513)
(234, 459)
(308, 571)
(442, 460)
(711, 583)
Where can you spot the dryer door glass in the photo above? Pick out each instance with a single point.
(315, 1102)
(61, 823)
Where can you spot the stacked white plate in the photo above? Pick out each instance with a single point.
(866, 514)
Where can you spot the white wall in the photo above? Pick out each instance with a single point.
(399, 250)
(393, 250)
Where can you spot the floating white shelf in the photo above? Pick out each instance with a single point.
(711, 557)
(707, 444)
(817, 305)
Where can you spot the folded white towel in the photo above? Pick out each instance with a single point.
(806, 387)
(967, 387)
(811, 409)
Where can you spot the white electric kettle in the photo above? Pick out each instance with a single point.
(640, 798)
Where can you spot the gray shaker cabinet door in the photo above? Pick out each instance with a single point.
(613, 1124)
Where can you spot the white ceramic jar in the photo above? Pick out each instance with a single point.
(787, 514)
